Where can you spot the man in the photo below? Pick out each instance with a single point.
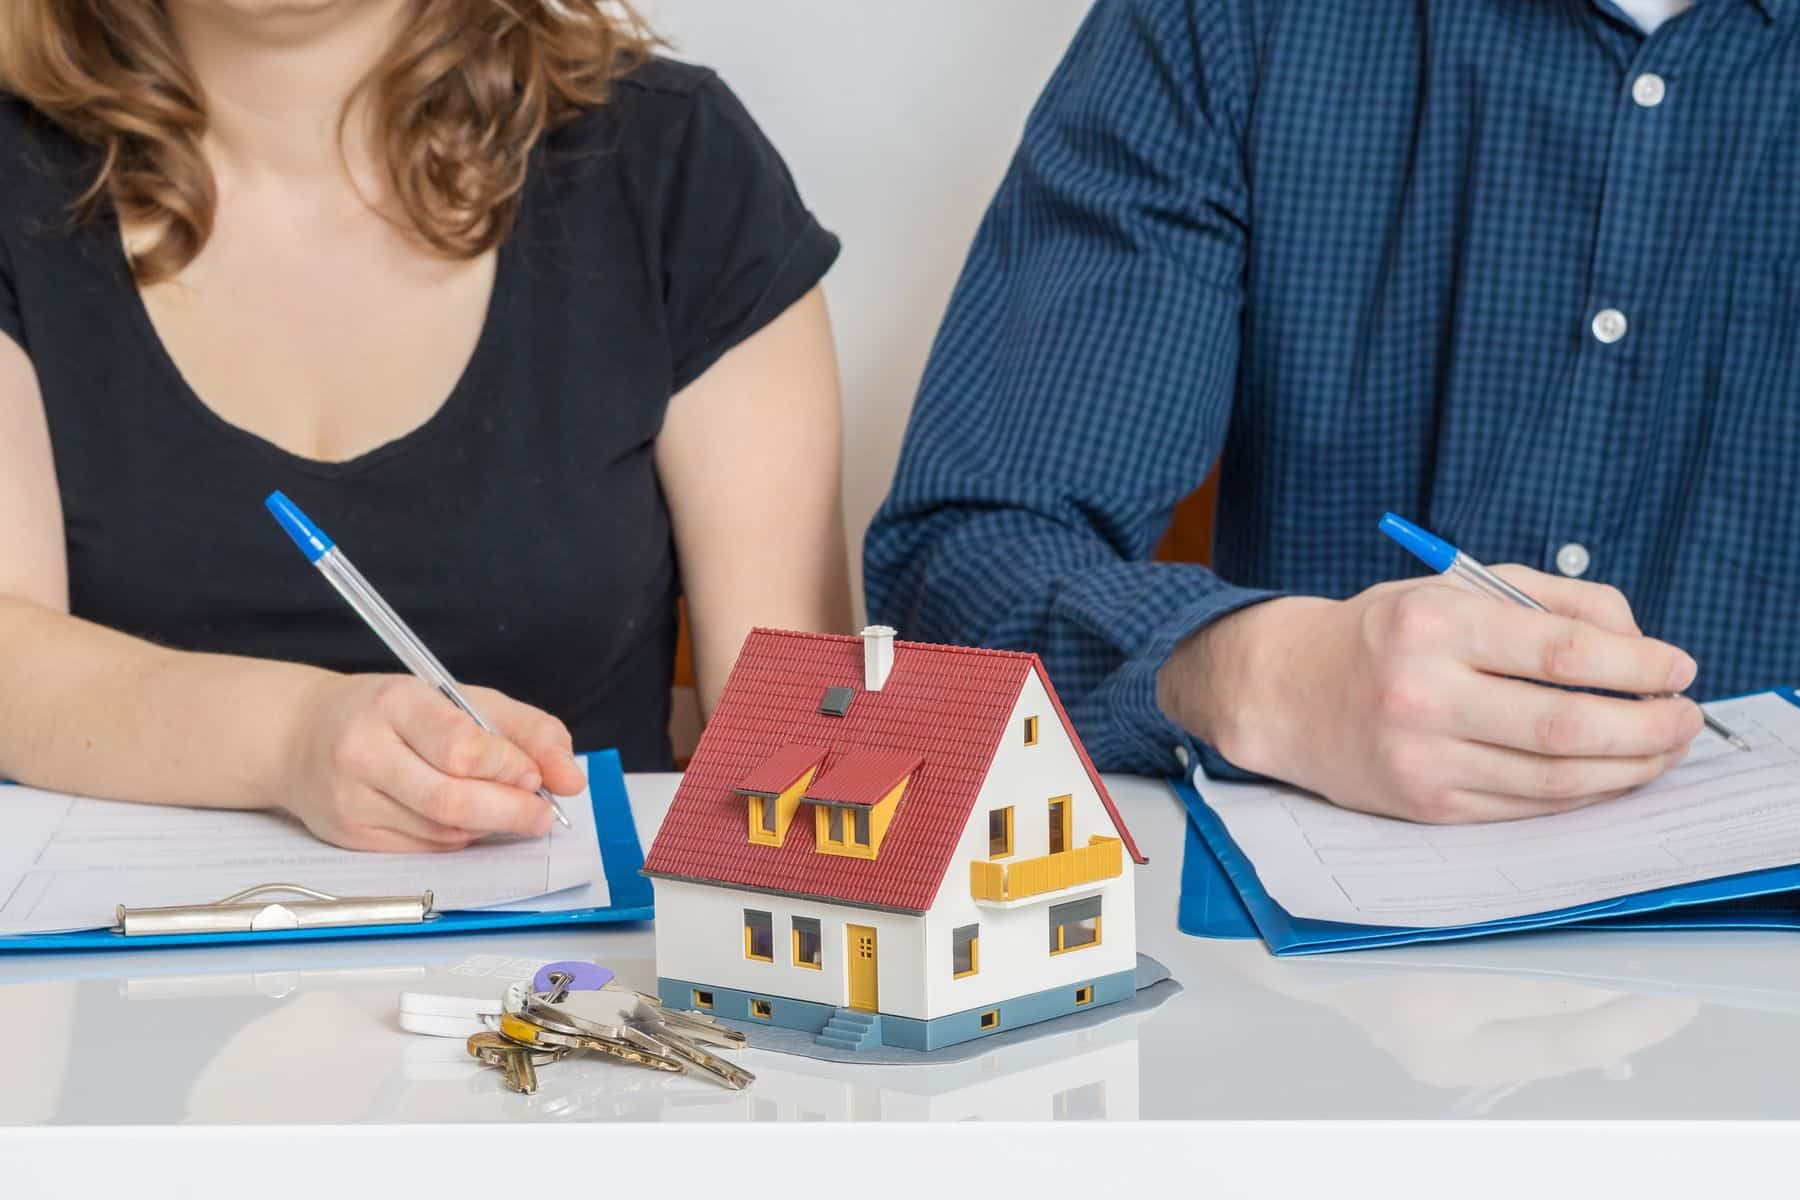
(1524, 271)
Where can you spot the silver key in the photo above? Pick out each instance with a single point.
(559, 986)
(727, 1073)
(621, 1013)
(697, 1026)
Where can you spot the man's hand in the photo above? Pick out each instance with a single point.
(1413, 699)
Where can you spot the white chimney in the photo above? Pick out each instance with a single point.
(878, 656)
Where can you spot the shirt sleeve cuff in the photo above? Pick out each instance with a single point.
(1157, 738)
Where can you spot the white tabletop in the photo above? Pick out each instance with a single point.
(1584, 1025)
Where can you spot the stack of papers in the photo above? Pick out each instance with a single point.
(66, 862)
(1698, 846)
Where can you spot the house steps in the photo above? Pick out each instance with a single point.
(851, 1029)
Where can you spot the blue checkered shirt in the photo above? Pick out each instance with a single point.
(1508, 267)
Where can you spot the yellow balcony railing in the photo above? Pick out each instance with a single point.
(1101, 858)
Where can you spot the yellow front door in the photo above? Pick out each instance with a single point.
(862, 967)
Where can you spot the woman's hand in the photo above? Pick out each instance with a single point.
(386, 763)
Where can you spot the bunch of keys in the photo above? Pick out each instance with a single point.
(615, 1021)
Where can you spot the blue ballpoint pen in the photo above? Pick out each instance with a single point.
(1440, 555)
(323, 553)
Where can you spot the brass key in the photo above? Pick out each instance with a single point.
(518, 1064)
(491, 1048)
(517, 1071)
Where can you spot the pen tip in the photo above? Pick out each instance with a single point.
(1738, 741)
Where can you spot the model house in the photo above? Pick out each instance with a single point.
(883, 842)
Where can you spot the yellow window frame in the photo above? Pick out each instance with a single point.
(748, 932)
(781, 808)
(1063, 928)
(876, 817)
(990, 1019)
(1008, 851)
(794, 940)
(974, 956)
(1084, 995)
(1065, 824)
(761, 807)
(1031, 731)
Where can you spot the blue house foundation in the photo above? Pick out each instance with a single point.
(852, 1029)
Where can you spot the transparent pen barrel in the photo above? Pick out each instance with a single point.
(388, 626)
(1490, 584)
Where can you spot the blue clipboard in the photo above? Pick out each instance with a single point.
(1221, 897)
(621, 856)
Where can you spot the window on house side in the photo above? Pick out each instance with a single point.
(1059, 825)
(807, 942)
(759, 935)
(1000, 832)
(1031, 731)
(1084, 995)
(702, 1000)
(1075, 925)
(965, 950)
(990, 1019)
(761, 1009)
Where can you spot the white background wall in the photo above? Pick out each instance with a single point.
(898, 120)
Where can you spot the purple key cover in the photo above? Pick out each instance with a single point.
(584, 977)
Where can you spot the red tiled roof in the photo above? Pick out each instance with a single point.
(776, 773)
(863, 777)
(944, 707)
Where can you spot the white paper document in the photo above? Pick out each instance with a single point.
(1722, 812)
(66, 862)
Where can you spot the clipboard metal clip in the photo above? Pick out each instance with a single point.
(240, 913)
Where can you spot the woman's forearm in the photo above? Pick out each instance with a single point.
(88, 710)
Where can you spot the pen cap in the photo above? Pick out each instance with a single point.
(309, 537)
(1430, 549)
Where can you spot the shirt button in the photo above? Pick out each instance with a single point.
(1181, 756)
(1647, 89)
(1572, 560)
(1609, 325)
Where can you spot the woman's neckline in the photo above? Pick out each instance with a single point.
(445, 416)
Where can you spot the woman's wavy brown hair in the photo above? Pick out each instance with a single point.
(457, 104)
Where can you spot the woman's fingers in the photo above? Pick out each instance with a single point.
(539, 735)
(445, 737)
(441, 802)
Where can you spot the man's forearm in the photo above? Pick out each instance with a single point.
(88, 710)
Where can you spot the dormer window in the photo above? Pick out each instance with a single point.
(772, 791)
(855, 799)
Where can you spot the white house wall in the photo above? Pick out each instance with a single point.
(1014, 950)
(700, 937)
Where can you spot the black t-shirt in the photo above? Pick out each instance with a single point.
(521, 530)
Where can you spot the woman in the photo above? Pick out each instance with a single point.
(527, 318)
